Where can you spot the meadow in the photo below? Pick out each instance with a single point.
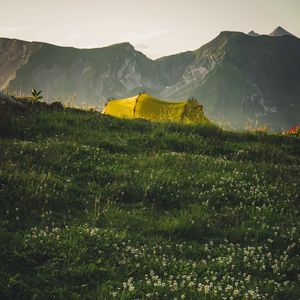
(94, 207)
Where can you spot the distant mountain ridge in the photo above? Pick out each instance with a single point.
(278, 31)
(235, 76)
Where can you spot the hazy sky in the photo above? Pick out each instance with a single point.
(156, 27)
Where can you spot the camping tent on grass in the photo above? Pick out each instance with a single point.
(145, 106)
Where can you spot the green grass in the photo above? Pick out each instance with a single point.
(94, 207)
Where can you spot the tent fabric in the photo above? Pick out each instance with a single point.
(146, 107)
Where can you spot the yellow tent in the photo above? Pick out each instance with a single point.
(145, 106)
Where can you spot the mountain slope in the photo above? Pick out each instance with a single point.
(87, 74)
(240, 77)
(14, 54)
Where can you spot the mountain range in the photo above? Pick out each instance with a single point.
(278, 31)
(238, 77)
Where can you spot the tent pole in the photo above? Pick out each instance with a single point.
(183, 112)
(136, 100)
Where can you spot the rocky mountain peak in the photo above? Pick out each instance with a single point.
(127, 46)
(279, 31)
(253, 33)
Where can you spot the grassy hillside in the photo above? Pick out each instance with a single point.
(94, 207)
